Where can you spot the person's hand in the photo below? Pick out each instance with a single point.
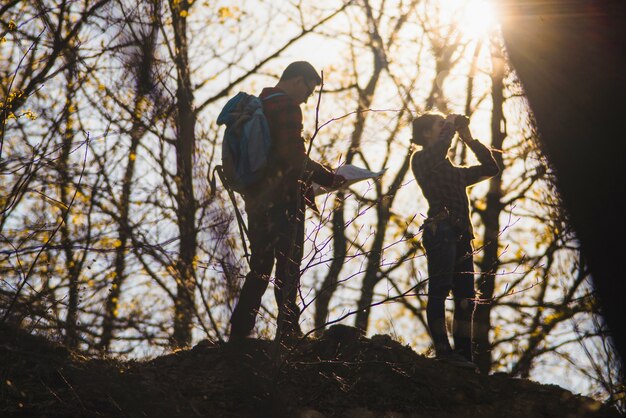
(465, 134)
(338, 181)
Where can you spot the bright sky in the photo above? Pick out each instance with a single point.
(477, 17)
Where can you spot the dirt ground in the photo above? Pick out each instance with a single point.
(340, 374)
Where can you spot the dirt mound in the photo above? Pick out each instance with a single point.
(341, 374)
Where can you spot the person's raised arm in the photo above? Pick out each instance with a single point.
(487, 167)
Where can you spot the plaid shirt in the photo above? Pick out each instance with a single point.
(444, 184)
(288, 154)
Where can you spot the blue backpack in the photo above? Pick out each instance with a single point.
(247, 142)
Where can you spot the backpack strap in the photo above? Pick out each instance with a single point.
(274, 95)
(243, 230)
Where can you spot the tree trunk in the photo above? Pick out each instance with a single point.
(143, 70)
(490, 217)
(339, 239)
(65, 180)
(112, 302)
(185, 144)
(329, 285)
(372, 276)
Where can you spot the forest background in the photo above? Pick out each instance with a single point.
(112, 241)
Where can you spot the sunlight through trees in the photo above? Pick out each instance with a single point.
(113, 240)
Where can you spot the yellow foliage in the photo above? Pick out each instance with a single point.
(77, 219)
(224, 13)
(480, 204)
(497, 330)
(184, 13)
(30, 115)
(194, 263)
(14, 95)
(550, 319)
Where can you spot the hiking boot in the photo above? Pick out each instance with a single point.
(455, 359)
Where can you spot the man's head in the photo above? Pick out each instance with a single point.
(426, 128)
(299, 80)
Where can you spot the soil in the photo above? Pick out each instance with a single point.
(340, 374)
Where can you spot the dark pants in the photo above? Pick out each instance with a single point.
(275, 233)
(450, 268)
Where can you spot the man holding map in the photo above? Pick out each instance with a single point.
(276, 207)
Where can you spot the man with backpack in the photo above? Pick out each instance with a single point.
(275, 206)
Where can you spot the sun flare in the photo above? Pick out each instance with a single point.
(478, 18)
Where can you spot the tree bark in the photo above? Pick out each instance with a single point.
(491, 219)
(184, 306)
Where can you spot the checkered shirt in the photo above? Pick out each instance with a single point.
(444, 184)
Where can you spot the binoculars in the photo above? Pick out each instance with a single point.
(461, 122)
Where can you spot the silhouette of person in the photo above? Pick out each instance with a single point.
(276, 207)
(448, 231)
